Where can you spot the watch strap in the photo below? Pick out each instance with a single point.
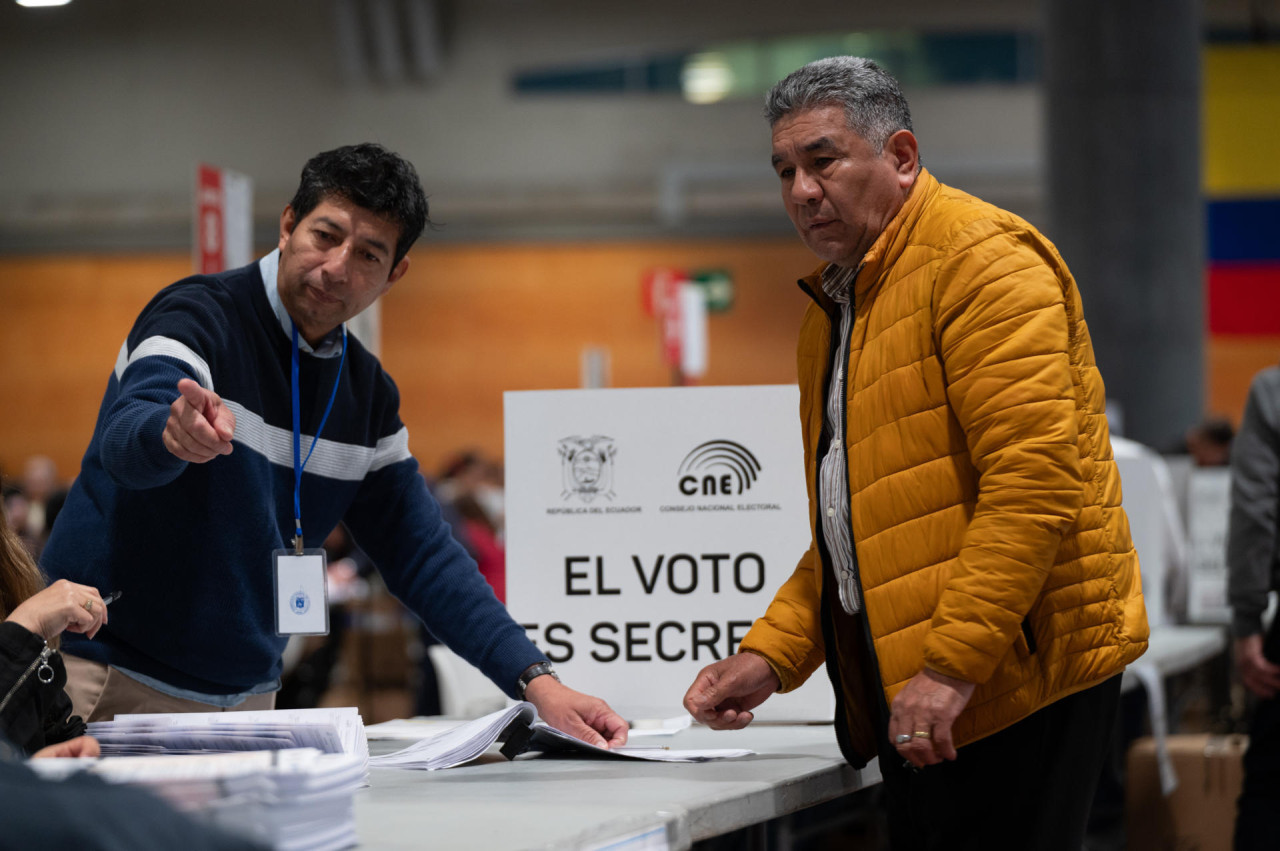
(531, 672)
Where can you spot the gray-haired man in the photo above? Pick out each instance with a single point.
(971, 584)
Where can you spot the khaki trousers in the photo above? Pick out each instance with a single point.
(100, 693)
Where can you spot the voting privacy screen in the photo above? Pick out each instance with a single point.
(648, 528)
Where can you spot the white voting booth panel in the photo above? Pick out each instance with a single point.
(648, 528)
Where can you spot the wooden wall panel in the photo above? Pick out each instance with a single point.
(466, 323)
(1233, 360)
(62, 321)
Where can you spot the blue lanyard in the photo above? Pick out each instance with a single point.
(300, 464)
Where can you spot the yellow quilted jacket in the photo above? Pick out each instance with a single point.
(984, 499)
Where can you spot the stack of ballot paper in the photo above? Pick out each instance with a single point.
(330, 730)
(457, 743)
(292, 800)
(444, 746)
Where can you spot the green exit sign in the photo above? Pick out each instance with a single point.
(717, 286)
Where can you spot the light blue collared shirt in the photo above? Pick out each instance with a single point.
(330, 346)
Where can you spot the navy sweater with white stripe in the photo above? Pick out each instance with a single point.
(190, 545)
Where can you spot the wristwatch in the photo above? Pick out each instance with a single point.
(535, 670)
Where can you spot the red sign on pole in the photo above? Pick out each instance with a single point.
(210, 236)
(660, 295)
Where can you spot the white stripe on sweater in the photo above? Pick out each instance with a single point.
(167, 347)
(331, 459)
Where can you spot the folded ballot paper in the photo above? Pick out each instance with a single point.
(296, 799)
(335, 730)
(447, 746)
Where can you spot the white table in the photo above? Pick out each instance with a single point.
(556, 803)
(579, 804)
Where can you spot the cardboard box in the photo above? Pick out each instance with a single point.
(1200, 815)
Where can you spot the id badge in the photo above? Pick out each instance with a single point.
(302, 595)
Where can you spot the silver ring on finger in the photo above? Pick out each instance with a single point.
(902, 738)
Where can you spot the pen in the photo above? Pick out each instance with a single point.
(112, 597)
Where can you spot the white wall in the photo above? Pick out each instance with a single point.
(107, 104)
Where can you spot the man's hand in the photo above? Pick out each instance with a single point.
(79, 746)
(63, 605)
(200, 427)
(1259, 675)
(928, 704)
(724, 693)
(580, 715)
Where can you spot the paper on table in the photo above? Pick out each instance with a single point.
(329, 729)
(659, 726)
(550, 740)
(464, 742)
(458, 744)
(289, 799)
(411, 728)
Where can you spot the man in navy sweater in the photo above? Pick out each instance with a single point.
(197, 474)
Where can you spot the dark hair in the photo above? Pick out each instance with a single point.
(874, 105)
(371, 177)
(459, 463)
(1218, 430)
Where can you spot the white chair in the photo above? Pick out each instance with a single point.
(464, 691)
(1156, 526)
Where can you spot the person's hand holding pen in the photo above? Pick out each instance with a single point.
(62, 606)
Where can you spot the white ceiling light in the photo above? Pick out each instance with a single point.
(34, 3)
(706, 78)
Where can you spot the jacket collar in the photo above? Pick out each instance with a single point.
(887, 248)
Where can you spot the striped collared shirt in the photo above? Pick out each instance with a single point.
(833, 485)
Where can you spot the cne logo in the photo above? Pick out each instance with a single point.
(718, 468)
(586, 467)
(300, 603)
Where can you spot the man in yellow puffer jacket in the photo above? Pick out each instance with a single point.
(971, 584)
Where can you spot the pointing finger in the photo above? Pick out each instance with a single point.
(192, 392)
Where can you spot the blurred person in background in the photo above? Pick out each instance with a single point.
(461, 473)
(1209, 442)
(15, 514)
(1253, 572)
(482, 539)
(45, 495)
(471, 487)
